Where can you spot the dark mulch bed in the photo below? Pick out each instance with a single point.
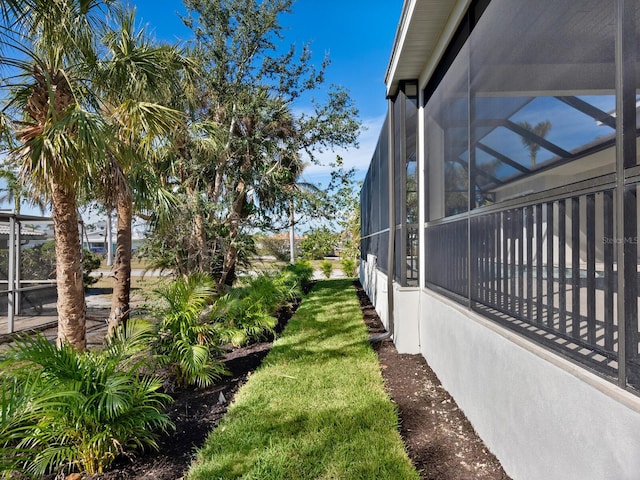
(440, 441)
(195, 413)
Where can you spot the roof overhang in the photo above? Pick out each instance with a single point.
(424, 30)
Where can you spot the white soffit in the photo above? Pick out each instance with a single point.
(420, 34)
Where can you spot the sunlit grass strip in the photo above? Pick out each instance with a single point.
(315, 409)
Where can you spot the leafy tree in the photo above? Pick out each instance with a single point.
(304, 201)
(350, 224)
(242, 149)
(319, 243)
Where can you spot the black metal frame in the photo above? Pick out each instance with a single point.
(518, 262)
(521, 264)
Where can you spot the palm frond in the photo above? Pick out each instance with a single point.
(84, 407)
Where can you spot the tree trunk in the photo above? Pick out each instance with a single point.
(197, 251)
(200, 238)
(229, 264)
(108, 233)
(71, 302)
(122, 264)
(292, 233)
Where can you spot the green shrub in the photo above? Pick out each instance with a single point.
(276, 246)
(239, 320)
(302, 270)
(349, 267)
(248, 312)
(90, 262)
(318, 243)
(195, 321)
(326, 267)
(78, 410)
(187, 341)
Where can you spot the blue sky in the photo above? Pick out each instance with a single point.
(358, 36)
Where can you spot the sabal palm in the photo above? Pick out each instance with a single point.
(18, 192)
(48, 47)
(134, 78)
(540, 129)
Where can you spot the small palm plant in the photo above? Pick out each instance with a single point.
(75, 410)
(187, 341)
(248, 312)
(348, 266)
(302, 270)
(22, 402)
(326, 267)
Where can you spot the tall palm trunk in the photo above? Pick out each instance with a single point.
(71, 301)
(231, 256)
(122, 263)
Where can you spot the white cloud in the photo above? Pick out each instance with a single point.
(354, 157)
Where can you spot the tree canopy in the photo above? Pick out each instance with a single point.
(245, 143)
(207, 143)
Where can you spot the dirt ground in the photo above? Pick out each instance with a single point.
(439, 439)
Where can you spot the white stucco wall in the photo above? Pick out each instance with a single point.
(406, 323)
(541, 415)
(374, 283)
(406, 335)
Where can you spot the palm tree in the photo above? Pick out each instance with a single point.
(17, 192)
(134, 77)
(540, 129)
(49, 46)
(296, 188)
(13, 191)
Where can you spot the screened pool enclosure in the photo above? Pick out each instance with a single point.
(27, 272)
(513, 167)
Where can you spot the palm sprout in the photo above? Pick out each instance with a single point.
(79, 410)
(186, 340)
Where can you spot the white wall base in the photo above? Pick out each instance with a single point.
(407, 324)
(406, 335)
(541, 415)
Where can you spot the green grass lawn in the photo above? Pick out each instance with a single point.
(145, 284)
(316, 408)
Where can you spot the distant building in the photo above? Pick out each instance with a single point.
(500, 223)
(95, 238)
